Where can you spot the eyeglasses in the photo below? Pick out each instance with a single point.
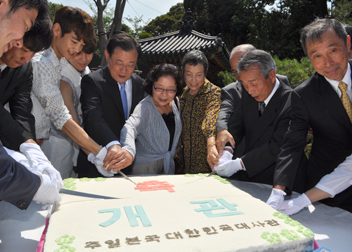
(160, 90)
(120, 66)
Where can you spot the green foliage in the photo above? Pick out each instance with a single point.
(296, 71)
(53, 7)
(226, 77)
(342, 10)
(167, 23)
(144, 35)
(137, 29)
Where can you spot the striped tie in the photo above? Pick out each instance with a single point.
(345, 99)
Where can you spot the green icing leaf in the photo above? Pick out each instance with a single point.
(189, 175)
(85, 179)
(99, 179)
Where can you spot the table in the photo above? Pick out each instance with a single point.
(20, 230)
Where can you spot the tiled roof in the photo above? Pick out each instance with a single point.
(176, 44)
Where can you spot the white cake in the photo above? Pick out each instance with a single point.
(186, 213)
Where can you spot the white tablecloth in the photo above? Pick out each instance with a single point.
(20, 230)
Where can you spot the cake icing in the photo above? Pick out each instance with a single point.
(182, 213)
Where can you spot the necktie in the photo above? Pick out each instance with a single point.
(124, 99)
(346, 101)
(261, 107)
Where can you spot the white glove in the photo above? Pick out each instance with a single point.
(226, 156)
(229, 168)
(47, 193)
(295, 205)
(40, 163)
(98, 162)
(276, 198)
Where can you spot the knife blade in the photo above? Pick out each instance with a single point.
(124, 175)
(83, 194)
(212, 173)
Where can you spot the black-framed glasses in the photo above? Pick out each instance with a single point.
(160, 90)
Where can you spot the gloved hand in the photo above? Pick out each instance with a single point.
(225, 157)
(228, 168)
(47, 193)
(40, 163)
(276, 198)
(98, 162)
(295, 205)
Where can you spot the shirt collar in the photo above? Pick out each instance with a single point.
(277, 84)
(346, 79)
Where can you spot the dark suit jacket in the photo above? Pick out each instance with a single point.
(15, 88)
(316, 104)
(103, 115)
(231, 97)
(17, 185)
(263, 134)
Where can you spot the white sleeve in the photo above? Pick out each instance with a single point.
(339, 180)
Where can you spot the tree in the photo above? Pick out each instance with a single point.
(53, 7)
(115, 26)
(167, 23)
(342, 10)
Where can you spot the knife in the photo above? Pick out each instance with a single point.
(124, 175)
(121, 173)
(212, 173)
(83, 194)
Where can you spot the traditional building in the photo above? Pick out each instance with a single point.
(171, 47)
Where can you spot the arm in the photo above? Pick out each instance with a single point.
(67, 95)
(18, 126)
(293, 145)
(209, 126)
(17, 185)
(46, 89)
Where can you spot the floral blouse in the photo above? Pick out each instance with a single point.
(199, 113)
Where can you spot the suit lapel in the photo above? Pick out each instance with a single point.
(113, 90)
(329, 101)
(134, 93)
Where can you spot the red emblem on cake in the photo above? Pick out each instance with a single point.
(154, 185)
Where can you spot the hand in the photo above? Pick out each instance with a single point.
(47, 193)
(229, 168)
(125, 159)
(40, 163)
(222, 138)
(212, 156)
(99, 163)
(295, 205)
(112, 154)
(276, 198)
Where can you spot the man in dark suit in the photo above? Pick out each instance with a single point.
(262, 117)
(231, 99)
(109, 96)
(319, 103)
(16, 78)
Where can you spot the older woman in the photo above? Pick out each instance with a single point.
(200, 104)
(151, 133)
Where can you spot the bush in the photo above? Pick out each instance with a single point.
(297, 72)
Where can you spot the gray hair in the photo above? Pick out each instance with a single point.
(258, 58)
(314, 31)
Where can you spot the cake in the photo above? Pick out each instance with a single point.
(170, 213)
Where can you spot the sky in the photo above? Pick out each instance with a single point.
(149, 9)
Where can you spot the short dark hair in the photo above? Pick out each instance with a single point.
(39, 37)
(258, 58)
(76, 20)
(348, 29)
(164, 69)
(194, 58)
(40, 5)
(124, 41)
(90, 46)
(313, 31)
